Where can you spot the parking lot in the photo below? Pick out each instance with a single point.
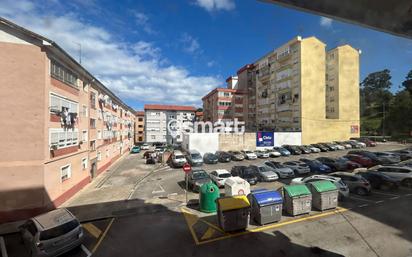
(373, 225)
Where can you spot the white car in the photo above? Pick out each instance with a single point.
(262, 154)
(220, 176)
(144, 147)
(249, 155)
(403, 174)
(313, 149)
(342, 187)
(273, 153)
(340, 147)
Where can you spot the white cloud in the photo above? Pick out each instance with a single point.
(134, 71)
(211, 63)
(190, 44)
(214, 5)
(325, 22)
(142, 20)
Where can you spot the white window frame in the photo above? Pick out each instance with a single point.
(99, 134)
(69, 173)
(99, 156)
(85, 163)
(87, 136)
(67, 142)
(85, 110)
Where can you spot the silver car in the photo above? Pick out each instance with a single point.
(356, 183)
(52, 233)
(342, 187)
(281, 170)
(264, 173)
(388, 158)
(300, 168)
(402, 174)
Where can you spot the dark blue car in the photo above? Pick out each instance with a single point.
(316, 166)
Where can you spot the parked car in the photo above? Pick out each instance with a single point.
(262, 154)
(281, 170)
(236, 155)
(147, 154)
(367, 154)
(353, 144)
(342, 187)
(177, 159)
(407, 163)
(144, 147)
(402, 174)
(346, 145)
(194, 158)
(313, 149)
(264, 173)
(362, 160)
(281, 150)
(293, 149)
(403, 154)
(219, 177)
(337, 146)
(356, 183)
(367, 141)
(356, 142)
(304, 149)
(52, 233)
(316, 166)
(246, 173)
(330, 146)
(196, 178)
(210, 158)
(223, 156)
(250, 155)
(333, 163)
(321, 147)
(379, 180)
(387, 158)
(135, 149)
(350, 165)
(299, 168)
(273, 153)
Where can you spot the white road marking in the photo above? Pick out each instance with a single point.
(408, 195)
(363, 205)
(3, 247)
(159, 191)
(395, 197)
(172, 194)
(381, 201)
(86, 250)
(386, 194)
(361, 199)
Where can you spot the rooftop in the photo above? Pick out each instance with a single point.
(169, 107)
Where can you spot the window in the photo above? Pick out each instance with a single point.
(140, 119)
(85, 87)
(99, 156)
(84, 111)
(153, 137)
(65, 172)
(57, 103)
(93, 145)
(107, 153)
(99, 134)
(93, 100)
(60, 138)
(84, 136)
(84, 163)
(93, 123)
(63, 74)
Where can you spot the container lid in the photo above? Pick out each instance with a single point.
(323, 186)
(297, 190)
(258, 190)
(233, 203)
(268, 197)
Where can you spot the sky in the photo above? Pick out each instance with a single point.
(175, 52)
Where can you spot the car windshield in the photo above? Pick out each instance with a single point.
(225, 175)
(200, 175)
(196, 156)
(59, 230)
(179, 157)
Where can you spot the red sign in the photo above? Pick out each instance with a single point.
(187, 168)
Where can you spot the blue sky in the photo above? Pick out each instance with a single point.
(174, 52)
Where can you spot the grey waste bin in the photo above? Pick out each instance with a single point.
(297, 199)
(266, 207)
(233, 213)
(324, 195)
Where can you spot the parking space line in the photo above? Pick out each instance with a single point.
(395, 197)
(208, 234)
(92, 229)
(86, 250)
(363, 205)
(386, 194)
(361, 199)
(3, 247)
(103, 235)
(212, 225)
(381, 201)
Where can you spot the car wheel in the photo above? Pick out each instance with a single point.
(361, 191)
(407, 182)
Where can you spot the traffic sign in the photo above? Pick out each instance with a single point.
(187, 168)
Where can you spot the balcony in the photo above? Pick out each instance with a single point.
(263, 73)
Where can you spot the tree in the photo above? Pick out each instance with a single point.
(408, 82)
(199, 110)
(375, 88)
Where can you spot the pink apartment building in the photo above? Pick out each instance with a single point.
(60, 126)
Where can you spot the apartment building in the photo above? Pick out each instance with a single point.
(139, 127)
(302, 87)
(247, 84)
(159, 117)
(61, 126)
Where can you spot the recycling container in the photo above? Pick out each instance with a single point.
(208, 194)
(236, 186)
(254, 191)
(266, 207)
(233, 213)
(297, 199)
(324, 194)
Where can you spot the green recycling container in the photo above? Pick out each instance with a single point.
(208, 194)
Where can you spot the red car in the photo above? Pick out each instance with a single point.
(367, 141)
(362, 160)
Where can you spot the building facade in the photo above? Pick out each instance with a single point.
(61, 127)
(139, 127)
(159, 117)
